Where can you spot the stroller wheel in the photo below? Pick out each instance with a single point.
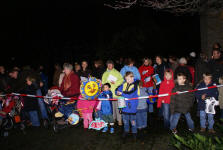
(55, 128)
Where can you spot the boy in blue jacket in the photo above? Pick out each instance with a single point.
(129, 89)
(106, 107)
(201, 96)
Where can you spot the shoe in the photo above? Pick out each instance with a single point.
(212, 131)
(174, 131)
(112, 130)
(105, 129)
(202, 130)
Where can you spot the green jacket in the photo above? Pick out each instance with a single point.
(111, 75)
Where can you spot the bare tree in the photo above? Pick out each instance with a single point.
(173, 6)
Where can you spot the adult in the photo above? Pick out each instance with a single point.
(160, 67)
(115, 79)
(131, 68)
(85, 72)
(70, 86)
(98, 69)
(56, 74)
(201, 67)
(13, 81)
(183, 68)
(77, 68)
(216, 64)
(173, 63)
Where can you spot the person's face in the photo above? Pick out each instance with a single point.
(220, 81)
(129, 78)
(216, 54)
(14, 74)
(207, 80)
(67, 71)
(2, 69)
(146, 62)
(96, 65)
(158, 60)
(181, 80)
(77, 67)
(106, 88)
(84, 64)
(110, 66)
(168, 76)
(28, 82)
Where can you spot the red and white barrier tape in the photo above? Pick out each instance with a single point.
(141, 97)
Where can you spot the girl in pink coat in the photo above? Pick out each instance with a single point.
(86, 108)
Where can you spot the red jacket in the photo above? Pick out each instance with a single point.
(146, 73)
(166, 86)
(74, 89)
(192, 71)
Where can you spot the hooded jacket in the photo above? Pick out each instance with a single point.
(132, 69)
(146, 73)
(209, 93)
(106, 105)
(130, 91)
(166, 86)
(181, 103)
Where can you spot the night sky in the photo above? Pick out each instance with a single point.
(48, 32)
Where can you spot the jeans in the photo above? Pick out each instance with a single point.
(129, 118)
(166, 115)
(42, 105)
(87, 119)
(66, 109)
(150, 108)
(176, 117)
(203, 116)
(33, 116)
(141, 119)
(221, 117)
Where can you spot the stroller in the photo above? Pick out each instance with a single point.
(62, 112)
(10, 114)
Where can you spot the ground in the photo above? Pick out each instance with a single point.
(75, 138)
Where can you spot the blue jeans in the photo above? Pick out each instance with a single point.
(129, 118)
(166, 115)
(221, 117)
(150, 108)
(42, 105)
(176, 117)
(141, 119)
(203, 116)
(33, 116)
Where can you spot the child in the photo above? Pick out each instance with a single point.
(86, 108)
(142, 108)
(30, 103)
(181, 103)
(220, 97)
(129, 89)
(201, 96)
(106, 108)
(166, 86)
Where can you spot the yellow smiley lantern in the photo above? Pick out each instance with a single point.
(90, 88)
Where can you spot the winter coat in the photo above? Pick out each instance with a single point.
(74, 89)
(216, 67)
(142, 103)
(146, 73)
(98, 72)
(181, 103)
(209, 93)
(56, 77)
(220, 97)
(118, 82)
(159, 69)
(30, 103)
(166, 86)
(106, 105)
(85, 73)
(201, 67)
(132, 69)
(129, 91)
(86, 106)
(185, 71)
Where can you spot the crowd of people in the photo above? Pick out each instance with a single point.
(124, 79)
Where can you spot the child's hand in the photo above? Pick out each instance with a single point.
(119, 93)
(203, 96)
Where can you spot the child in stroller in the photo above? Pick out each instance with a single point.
(62, 112)
(10, 110)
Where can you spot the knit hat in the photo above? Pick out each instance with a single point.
(193, 54)
(183, 60)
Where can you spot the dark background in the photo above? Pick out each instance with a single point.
(48, 32)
